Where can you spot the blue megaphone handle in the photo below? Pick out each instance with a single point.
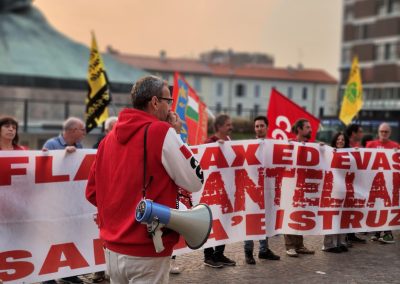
(147, 210)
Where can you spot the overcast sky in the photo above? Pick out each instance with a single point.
(292, 31)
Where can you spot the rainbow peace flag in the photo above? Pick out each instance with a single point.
(191, 110)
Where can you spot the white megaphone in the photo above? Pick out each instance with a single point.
(193, 224)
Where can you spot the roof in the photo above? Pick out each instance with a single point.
(251, 71)
(30, 47)
(183, 65)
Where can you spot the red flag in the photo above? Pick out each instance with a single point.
(283, 113)
(191, 110)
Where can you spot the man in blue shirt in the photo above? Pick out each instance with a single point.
(72, 133)
(70, 138)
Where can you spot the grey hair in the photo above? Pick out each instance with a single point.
(71, 122)
(109, 121)
(146, 88)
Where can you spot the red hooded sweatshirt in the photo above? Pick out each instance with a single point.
(116, 180)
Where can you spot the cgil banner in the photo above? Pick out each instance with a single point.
(254, 188)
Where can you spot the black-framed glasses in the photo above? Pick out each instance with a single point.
(169, 101)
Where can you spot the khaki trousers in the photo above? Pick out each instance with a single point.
(126, 269)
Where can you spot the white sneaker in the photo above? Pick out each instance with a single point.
(174, 269)
(292, 253)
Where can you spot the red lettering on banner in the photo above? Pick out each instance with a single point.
(279, 173)
(20, 269)
(371, 218)
(327, 218)
(255, 224)
(98, 249)
(213, 156)
(84, 168)
(279, 219)
(53, 262)
(326, 195)
(380, 162)
(396, 219)
(379, 190)
(396, 189)
(7, 171)
(242, 155)
(396, 160)
(236, 220)
(350, 201)
(361, 162)
(44, 171)
(307, 156)
(340, 160)
(214, 193)
(194, 150)
(282, 154)
(302, 187)
(218, 233)
(351, 219)
(244, 183)
(303, 220)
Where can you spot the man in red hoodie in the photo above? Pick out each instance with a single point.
(121, 177)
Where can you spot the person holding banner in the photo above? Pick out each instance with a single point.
(214, 257)
(295, 243)
(70, 138)
(260, 129)
(336, 243)
(383, 142)
(73, 132)
(355, 133)
(143, 158)
(9, 134)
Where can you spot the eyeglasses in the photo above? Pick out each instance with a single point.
(384, 131)
(169, 101)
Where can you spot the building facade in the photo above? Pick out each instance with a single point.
(371, 31)
(243, 90)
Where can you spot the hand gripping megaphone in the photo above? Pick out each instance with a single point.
(193, 224)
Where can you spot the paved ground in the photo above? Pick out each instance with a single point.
(364, 263)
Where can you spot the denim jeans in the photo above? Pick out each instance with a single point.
(249, 246)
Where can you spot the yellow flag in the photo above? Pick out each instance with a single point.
(98, 96)
(352, 99)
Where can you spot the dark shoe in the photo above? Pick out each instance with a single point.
(334, 250)
(225, 261)
(72, 280)
(268, 254)
(344, 248)
(49, 282)
(98, 277)
(355, 239)
(304, 250)
(249, 258)
(212, 263)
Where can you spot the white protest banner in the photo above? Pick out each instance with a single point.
(254, 188)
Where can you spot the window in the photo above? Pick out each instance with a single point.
(322, 95)
(304, 94)
(240, 90)
(218, 108)
(239, 109)
(389, 6)
(290, 92)
(219, 89)
(346, 55)
(321, 112)
(197, 84)
(257, 91)
(363, 31)
(256, 109)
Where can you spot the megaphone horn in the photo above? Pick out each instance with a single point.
(193, 224)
